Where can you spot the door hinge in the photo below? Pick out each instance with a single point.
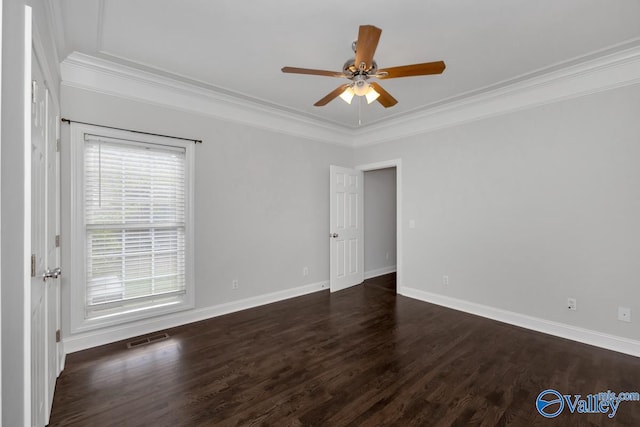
(58, 336)
(33, 265)
(34, 88)
(57, 241)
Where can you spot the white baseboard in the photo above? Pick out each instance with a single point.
(379, 272)
(586, 336)
(95, 338)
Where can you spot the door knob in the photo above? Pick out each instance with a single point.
(334, 235)
(52, 274)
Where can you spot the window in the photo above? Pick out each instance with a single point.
(133, 226)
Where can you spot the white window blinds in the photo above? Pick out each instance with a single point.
(135, 224)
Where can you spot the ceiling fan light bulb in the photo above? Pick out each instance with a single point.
(361, 87)
(372, 95)
(347, 95)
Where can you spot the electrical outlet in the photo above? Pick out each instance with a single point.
(234, 284)
(305, 271)
(445, 280)
(624, 314)
(572, 304)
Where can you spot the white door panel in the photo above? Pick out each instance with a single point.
(38, 245)
(44, 227)
(346, 231)
(52, 284)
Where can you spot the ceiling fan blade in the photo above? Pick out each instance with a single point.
(412, 70)
(334, 94)
(295, 70)
(368, 38)
(385, 97)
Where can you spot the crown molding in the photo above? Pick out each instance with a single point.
(606, 72)
(600, 72)
(99, 75)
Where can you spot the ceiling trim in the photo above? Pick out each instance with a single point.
(608, 71)
(99, 75)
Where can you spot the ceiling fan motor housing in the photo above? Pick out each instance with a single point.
(351, 69)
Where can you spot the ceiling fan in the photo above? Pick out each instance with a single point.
(361, 68)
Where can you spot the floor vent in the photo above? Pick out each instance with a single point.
(148, 340)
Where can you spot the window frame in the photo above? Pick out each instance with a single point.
(78, 277)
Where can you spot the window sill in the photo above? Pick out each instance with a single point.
(122, 318)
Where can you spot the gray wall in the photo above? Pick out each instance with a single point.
(521, 211)
(524, 210)
(261, 198)
(379, 221)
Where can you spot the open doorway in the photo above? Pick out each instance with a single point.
(380, 227)
(382, 219)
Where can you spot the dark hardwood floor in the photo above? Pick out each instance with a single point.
(362, 356)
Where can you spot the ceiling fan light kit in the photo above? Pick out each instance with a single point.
(361, 68)
(371, 95)
(347, 95)
(352, 90)
(360, 85)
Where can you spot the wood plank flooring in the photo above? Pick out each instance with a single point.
(362, 356)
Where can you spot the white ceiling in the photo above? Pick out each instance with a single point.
(238, 47)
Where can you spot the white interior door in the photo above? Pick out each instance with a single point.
(45, 256)
(346, 229)
(38, 245)
(52, 288)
